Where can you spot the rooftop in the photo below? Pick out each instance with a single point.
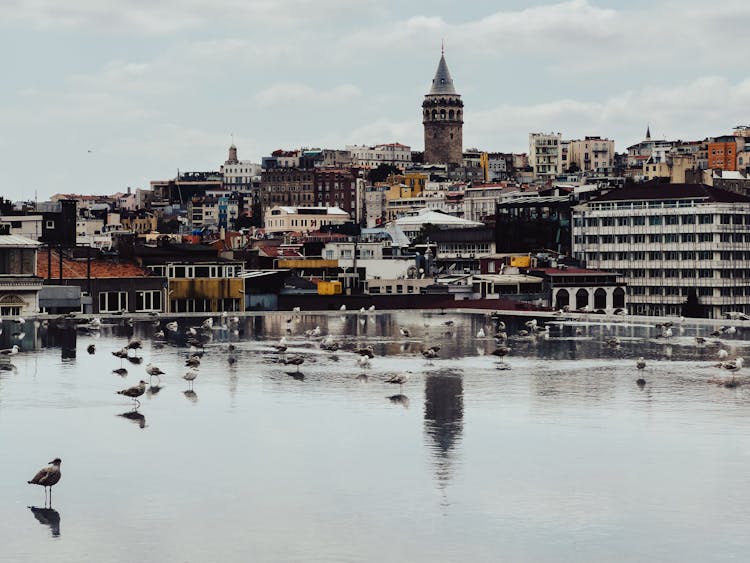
(75, 269)
(658, 191)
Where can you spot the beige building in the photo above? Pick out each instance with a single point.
(287, 219)
(592, 154)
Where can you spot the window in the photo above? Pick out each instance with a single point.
(688, 237)
(148, 300)
(671, 220)
(639, 221)
(705, 237)
(50, 224)
(688, 219)
(705, 273)
(655, 220)
(112, 301)
(705, 219)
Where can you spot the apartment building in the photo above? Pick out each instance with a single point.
(545, 154)
(666, 240)
(592, 154)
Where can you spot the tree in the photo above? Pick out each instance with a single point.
(692, 306)
(381, 173)
(424, 233)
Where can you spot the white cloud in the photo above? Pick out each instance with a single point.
(291, 93)
(706, 106)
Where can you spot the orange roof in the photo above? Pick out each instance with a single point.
(75, 269)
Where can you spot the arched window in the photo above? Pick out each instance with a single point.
(582, 298)
(434, 114)
(427, 114)
(451, 114)
(562, 299)
(458, 114)
(618, 298)
(442, 114)
(600, 299)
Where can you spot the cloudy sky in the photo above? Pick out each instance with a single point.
(98, 95)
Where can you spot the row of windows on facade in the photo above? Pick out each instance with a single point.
(670, 255)
(178, 271)
(659, 238)
(654, 220)
(683, 291)
(151, 301)
(688, 273)
(442, 114)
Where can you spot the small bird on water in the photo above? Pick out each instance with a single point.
(134, 392)
(47, 477)
(91, 349)
(641, 363)
(190, 377)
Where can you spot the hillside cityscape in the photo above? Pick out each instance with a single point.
(660, 228)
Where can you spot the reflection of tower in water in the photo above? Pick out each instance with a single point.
(443, 421)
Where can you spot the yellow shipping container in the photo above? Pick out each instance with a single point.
(329, 288)
(520, 261)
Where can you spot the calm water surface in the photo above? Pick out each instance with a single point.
(554, 454)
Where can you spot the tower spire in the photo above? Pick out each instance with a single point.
(442, 47)
(648, 132)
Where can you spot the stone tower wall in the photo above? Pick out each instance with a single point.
(443, 142)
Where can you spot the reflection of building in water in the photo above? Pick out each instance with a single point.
(443, 420)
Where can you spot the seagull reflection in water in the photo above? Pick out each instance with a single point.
(47, 517)
(191, 395)
(136, 417)
(153, 390)
(399, 399)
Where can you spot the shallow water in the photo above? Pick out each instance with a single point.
(554, 454)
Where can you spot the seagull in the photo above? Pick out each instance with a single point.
(405, 332)
(700, 340)
(641, 363)
(190, 377)
(342, 308)
(193, 361)
(362, 310)
(295, 361)
(47, 477)
(363, 362)
(733, 365)
(723, 354)
(134, 392)
(480, 333)
(296, 309)
(159, 334)
(171, 326)
(134, 345)
(431, 352)
(91, 349)
(371, 308)
(10, 351)
(207, 324)
(501, 351)
(120, 371)
(153, 370)
(398, 379)
(366, 351)
(313, 332)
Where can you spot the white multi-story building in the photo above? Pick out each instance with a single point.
(545, 154)
(668, 240)
(237, 174)
(395, 154)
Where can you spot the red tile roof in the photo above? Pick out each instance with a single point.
(75, 269)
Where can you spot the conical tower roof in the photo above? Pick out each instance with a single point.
(442, 83)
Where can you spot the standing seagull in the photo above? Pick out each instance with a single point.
(190, 377)
(295, 361)
(134, 392)
(641, 363)
(47, 477)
